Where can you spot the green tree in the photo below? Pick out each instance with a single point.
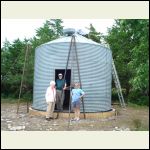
(128, 40)
(93, 34)
(51, 30)
(56, 26)
(13, 58)
(11, 63)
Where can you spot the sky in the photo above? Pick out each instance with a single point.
(12, 29)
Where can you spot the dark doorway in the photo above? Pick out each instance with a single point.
(67, 91)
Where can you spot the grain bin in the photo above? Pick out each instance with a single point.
(95, 61)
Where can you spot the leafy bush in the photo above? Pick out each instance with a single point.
(137, 98)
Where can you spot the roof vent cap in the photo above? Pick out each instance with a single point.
(68, 31)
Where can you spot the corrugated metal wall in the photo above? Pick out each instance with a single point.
(95, 69)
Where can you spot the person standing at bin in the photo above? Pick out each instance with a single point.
(50, 97)
(60, 87)
(77, 95)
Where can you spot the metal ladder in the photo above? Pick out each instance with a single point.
(117, 84)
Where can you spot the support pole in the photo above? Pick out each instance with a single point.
(18, 103)
(79, 75)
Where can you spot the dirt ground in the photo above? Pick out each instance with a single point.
(129, 119)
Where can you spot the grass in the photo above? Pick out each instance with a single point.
(137, 123)
(12, 100)
(136, 106)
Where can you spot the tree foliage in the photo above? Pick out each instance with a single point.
(93, 34)
(13, 59)
(128, 40)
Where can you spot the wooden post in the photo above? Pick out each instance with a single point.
(18, 103)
